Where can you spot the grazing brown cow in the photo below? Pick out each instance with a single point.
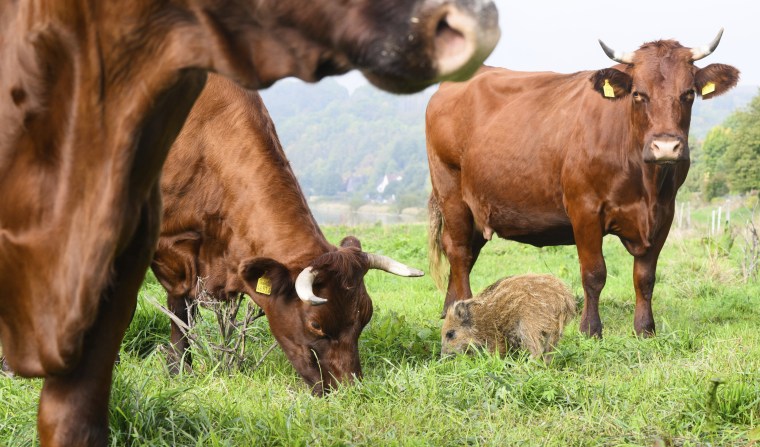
(551, 159)
(95, 93)
(232, 203)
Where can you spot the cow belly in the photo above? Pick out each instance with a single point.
(530, 224)
(540, 231)
(547, 237)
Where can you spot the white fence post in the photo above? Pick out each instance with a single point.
(712, 223)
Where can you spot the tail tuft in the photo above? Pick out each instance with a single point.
(438, 263)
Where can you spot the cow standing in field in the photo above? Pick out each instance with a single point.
(93, 95)
(551, 159)
(233, 205)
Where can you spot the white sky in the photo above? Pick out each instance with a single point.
(561, 35)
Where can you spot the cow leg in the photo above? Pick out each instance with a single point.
(462, 246)
(644, 269)
(643, 282)
(588, 239)
(178, 305)
(73, 407)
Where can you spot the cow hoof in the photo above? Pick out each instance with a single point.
(591, 330)
(644, 327)
(6, 369)
(646, 333)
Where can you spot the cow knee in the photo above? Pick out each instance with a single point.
(594, 280)
(645, 284)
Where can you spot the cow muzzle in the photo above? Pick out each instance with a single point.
(666, 150)
(333, 375)
(446, 40)
(464, 33)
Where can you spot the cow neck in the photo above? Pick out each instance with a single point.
(276, 209)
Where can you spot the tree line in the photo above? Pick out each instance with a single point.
(368, 145)
(728, 159)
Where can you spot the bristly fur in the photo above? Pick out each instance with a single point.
(519, 312)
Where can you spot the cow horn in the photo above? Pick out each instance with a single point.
(704, 51)
(389, 265)
(304, 287)
(617, 56)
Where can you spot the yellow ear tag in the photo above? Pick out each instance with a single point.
(708, 88)
(609, 92)
(264, 286)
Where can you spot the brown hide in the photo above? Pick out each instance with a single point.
(231, 198)
(94, 94)
(547, 159)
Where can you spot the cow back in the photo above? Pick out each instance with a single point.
(230, 196)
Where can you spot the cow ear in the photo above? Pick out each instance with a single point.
(611, 83)
(463, 313)
(265, 277)
(351, 241)
(715, 79)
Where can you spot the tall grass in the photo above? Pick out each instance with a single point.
(697, 383)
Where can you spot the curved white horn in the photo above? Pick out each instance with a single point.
(617, 56)
(304, 287)
(389, 265)
(706, 50)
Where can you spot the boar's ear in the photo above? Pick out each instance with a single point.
(462, 312)
(266, 277)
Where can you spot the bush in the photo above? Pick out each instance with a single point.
(715, 186)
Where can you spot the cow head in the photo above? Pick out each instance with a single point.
(318, 317)
(660, 81)
(399, 45)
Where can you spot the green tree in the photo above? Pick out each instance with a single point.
(714, 148)
(742, 157)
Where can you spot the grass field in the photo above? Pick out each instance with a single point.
(619, 391)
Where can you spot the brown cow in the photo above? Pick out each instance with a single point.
(95, 93)
(551, 159)
(231, 202)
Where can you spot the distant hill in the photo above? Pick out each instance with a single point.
(370, 145)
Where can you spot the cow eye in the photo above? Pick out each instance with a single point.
(316, 329)
(688, 96)
(638, 96)
(450, 334)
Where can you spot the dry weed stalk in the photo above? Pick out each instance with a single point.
(230, 353)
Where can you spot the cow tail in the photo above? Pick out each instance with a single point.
(438, 263)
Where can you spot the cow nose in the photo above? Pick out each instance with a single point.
(465, 34)
(666, 150)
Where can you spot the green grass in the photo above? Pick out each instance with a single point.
(619, 391)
